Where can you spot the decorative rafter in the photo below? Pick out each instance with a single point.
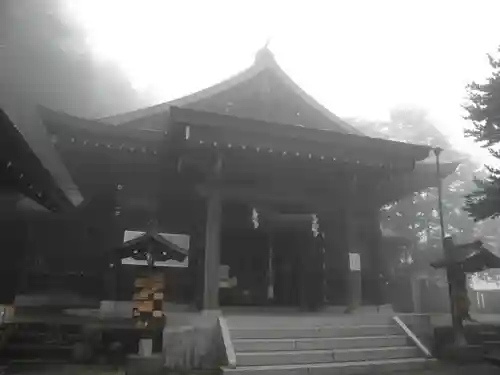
(309, 156)
(112, 146)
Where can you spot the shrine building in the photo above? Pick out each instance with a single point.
(279, 198)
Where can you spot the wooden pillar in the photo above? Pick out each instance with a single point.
(111, 279)
(354, 292)
(197, 262)
(375, 252)
(354, 281)
(212, 241)
(212, 252)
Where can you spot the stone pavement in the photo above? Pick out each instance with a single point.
(62, 370)
(450, 369)
(481, 369)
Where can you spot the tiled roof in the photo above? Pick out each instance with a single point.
(261, 92)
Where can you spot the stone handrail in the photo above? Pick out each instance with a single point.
(412, 336)
(228, 344)
(3, 314)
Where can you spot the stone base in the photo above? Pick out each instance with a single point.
(54, 300)
(145, 347)
(6, 313)
(138, 365)
(107, 308)
(463, 355)
(115, 309)
(193, 345)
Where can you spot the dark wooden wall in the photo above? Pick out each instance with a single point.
(13, 232)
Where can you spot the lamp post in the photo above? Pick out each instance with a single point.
(447, 244)
(437, 152)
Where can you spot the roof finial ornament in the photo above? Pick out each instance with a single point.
(264, 55)
(266, 45)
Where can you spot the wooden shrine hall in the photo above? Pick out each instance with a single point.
(268, 185)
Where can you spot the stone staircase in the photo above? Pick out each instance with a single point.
(38, 343)
(326, 346)
(483, 340)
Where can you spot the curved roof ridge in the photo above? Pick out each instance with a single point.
(264, 59)
(224, 85)
(310, 100)
(56, 122)
(47, 114)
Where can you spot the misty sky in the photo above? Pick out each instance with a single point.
(358, 58)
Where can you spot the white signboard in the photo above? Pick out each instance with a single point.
(181, 240)
(481, 282)
(354, 262)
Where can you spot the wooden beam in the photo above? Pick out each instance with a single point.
(297, 200)
(256, 196)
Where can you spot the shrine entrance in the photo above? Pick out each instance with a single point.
(285, 263)
(280, 263)
(297, 260)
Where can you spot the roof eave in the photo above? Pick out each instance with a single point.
(42, 187)
(423, 177)
(59, 122)
(183, 116)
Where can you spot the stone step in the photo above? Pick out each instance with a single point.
(311, 321)
(46, 352)
(339, 368)
(317, 332)
(492, 343)
(323, 356)
(254, 345)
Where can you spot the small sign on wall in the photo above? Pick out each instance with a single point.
(354, 262)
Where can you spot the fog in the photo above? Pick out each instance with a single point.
(44, 60)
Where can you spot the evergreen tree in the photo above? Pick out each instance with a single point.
(415, 217)
(483, 110)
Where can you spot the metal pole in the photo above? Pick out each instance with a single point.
(437, 152)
